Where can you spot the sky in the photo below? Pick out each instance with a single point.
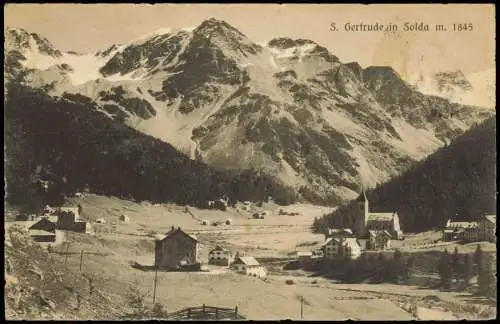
(92, 27)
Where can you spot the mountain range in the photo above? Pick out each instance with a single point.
(289, 108)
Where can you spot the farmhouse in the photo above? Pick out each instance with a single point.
(332, 247)
(466, 231)
(378, 240)
(220, 256)
(176, 248)
(487, 228)
(68, 219)
(44, 231)
(364, 220)
(341, 247)
(248, 265)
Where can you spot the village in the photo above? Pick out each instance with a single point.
(178, 250)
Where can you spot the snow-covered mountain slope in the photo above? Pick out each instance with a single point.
(289, 107)
(477, 89)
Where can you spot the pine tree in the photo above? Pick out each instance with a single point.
(466, 270)
(397, 269)
(408, 268)
(477, 258)
(445, 270)
(455, 264)
(158, 312)
(483, 277)
(136, 302)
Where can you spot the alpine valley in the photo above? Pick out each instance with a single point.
(289, 107)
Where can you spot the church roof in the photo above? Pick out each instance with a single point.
(491, 218)
(384, 217)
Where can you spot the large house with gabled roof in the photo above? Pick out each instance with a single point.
(176, 248)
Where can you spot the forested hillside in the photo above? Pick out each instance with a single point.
(457, 181)
(68, 145)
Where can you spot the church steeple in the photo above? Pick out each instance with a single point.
(362, 213)
(362, 195)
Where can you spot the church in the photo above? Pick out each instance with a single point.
(364, 221)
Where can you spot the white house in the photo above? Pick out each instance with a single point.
(249, 266)
(341, 247)
(220, 256)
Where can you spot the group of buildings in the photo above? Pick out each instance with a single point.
(482, 230)
(49, 226)
(378, 229)
(177, 248)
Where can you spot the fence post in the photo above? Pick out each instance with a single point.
(189, 313)
(236, 312)
(204, 311)
(216, 313)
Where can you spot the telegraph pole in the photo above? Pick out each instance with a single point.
(154, 290)
(301, 307)
(67, 254)
(81, 259)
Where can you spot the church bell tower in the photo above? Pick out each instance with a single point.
(362, 213)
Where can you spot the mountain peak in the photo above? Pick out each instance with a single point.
(20, 38)
(215, 25)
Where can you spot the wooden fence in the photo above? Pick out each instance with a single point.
(205, 313)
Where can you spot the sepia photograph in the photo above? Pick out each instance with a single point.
(250, 162)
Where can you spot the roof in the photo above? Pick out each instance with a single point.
(45, 225)
(463, 224)
(174, 232)
(219, 248)
(491, 218)
(304, 253)
(384, 217)
(332, 231)
(39, 232)
(375, 233)
(248, 260)
(69, 209)
(328, 240)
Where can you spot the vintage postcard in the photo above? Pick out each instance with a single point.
(250, 162)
